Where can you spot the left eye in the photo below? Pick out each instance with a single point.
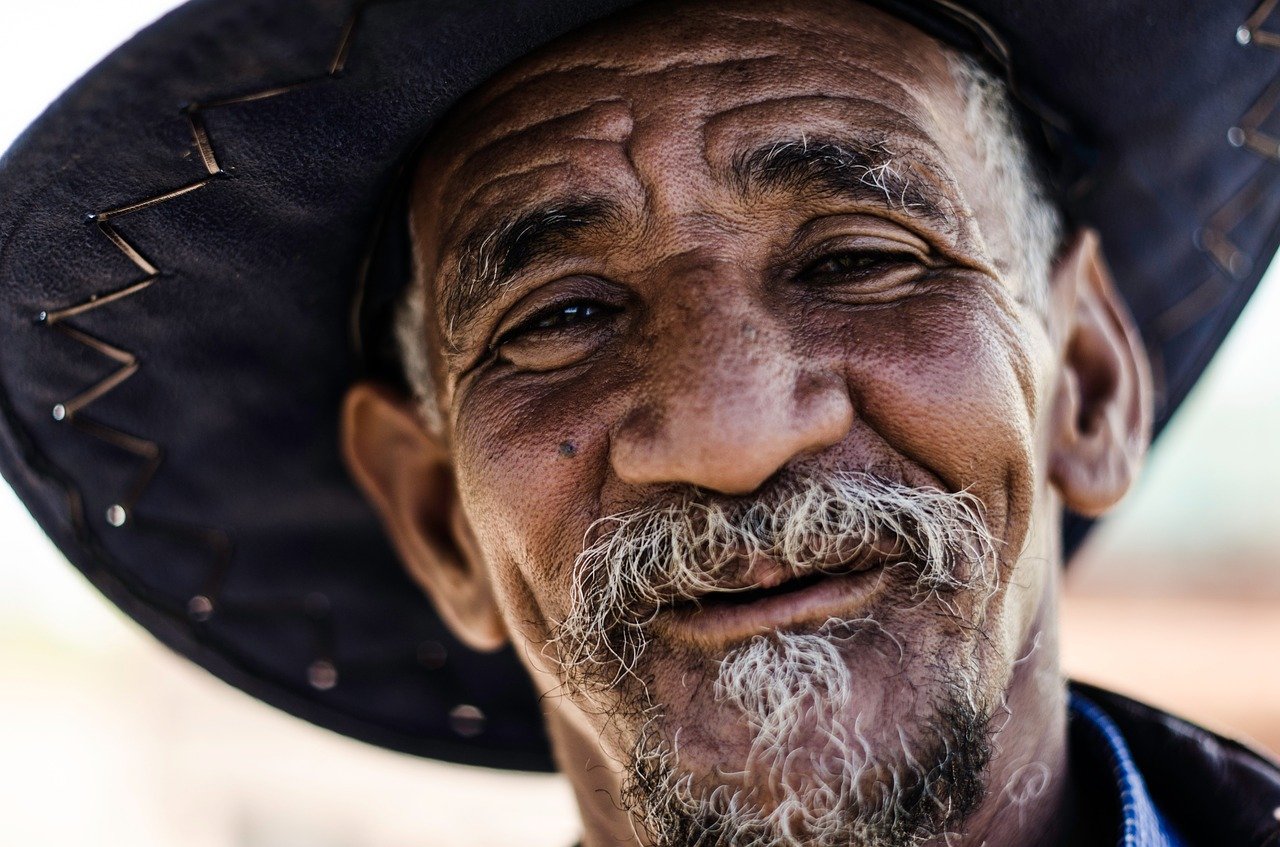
(847, 264)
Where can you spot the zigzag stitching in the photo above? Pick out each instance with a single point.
(322, 673)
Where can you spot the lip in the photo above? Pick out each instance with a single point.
(721, 618)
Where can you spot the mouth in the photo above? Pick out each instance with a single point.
(774, 601)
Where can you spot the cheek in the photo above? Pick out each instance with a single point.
(529, 468)
(946, 380)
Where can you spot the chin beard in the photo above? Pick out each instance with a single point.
(811, 777)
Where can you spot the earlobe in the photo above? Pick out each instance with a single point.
(406, 474)
(1101, 423)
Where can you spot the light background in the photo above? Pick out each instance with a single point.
(107, 739)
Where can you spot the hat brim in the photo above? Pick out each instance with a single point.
(186, 244)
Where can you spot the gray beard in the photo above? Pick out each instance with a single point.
(810, 776)
(823, 787)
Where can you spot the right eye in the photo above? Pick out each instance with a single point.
(557, 336)
(554, 318)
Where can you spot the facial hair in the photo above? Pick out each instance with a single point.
(825, 783)
(825, 787)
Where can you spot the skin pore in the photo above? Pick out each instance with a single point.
(696, 258)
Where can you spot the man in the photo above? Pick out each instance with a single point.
(771, 290)
(750, 369)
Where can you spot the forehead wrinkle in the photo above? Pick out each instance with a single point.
(496, 184)
(818, 103)
(719, 38)
(577, 71)
(727, 59)
(546, 121)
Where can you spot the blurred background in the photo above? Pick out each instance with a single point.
(107, 739)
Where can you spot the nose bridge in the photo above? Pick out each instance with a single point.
(726, 399)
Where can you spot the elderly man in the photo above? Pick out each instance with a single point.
(767, 304)
(750, 368)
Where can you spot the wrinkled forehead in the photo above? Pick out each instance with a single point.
(672, 92)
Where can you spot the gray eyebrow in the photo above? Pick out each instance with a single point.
(492, 255)
(863, 170)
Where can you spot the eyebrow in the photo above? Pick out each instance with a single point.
(857, 169)
(492, 255)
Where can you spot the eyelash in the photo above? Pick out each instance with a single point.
(869, 260)
(580, 311)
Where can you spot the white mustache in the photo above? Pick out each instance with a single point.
(636, 563)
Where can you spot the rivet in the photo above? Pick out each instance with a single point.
(42, 317)
(432, 655)
(322, 675)
(90, 217)
(1275, 813)
(59, 412)
(1239, 264)
(1235, 136)
(1243, 35)
(467, 720)
(116, 515)
(200, 607)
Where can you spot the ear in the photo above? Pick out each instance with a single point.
(406, 473)
(1101, 424)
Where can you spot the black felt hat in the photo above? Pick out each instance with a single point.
(199, 239)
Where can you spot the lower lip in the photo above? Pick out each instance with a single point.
(719, 623)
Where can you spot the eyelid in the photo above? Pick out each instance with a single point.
(558, 293)
(836, 246)
(845, 228)
(551, 310)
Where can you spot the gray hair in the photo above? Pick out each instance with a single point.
(1031, 218)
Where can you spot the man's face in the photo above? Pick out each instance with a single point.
(728, 303)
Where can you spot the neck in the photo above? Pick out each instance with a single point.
(1028, 799)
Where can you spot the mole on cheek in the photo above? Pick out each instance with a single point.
(568, 449)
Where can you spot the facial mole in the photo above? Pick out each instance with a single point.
(568, 448)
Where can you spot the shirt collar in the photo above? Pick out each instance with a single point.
(1142, 825)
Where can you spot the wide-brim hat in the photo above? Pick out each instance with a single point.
(200, 240)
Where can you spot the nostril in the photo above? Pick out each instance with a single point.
(810, 385)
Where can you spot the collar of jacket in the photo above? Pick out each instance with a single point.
(1212, 790)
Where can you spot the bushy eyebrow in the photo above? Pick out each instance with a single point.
(860, 170)
(493, 254)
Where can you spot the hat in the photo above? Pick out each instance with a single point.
(200, 240)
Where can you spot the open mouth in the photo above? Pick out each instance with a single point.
(753, 595)
(779, 601)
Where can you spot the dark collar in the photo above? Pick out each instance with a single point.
(1108, 784)
(1176, 781)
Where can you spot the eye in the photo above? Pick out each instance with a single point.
(560, 317)
(847, 265)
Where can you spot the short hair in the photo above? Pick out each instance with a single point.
(1031, 217)
(1019, 179)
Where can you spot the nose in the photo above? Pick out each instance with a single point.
(726, 407)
